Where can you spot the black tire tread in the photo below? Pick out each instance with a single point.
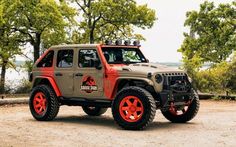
(151, 101)
(52, 102)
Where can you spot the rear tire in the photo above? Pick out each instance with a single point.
(94, 111)
(190, 113)
(133, 108)
(43, 103)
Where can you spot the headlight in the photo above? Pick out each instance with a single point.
(159, 78)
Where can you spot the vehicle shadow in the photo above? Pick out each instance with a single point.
(88, 120)
(106, 121)
(169, 125)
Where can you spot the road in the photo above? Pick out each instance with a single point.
(215, 125)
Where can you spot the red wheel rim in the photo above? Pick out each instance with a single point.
(40, 103)
(131, 109)
(173, 110)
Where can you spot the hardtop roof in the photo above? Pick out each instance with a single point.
(74, 46)
(67, 46)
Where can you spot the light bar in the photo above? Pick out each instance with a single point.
(126, 42)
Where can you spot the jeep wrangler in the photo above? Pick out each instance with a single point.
(99, 76)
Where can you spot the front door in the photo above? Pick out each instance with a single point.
(64, 72)
(88, 81)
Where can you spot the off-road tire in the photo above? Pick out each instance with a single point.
(94, 111)
(149, 108)
(189, 115)
(52, 106)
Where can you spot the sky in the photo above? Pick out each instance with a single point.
(166, 36)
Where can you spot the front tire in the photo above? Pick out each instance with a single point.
(133, 108)
(94, 111)
(43, 103)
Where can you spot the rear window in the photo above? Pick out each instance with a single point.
(47, 60)
(65, 58)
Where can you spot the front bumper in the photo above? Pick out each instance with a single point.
(167, 96)
(176, 89)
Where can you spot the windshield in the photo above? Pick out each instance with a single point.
(123, 55)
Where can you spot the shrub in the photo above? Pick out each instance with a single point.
(24, 87)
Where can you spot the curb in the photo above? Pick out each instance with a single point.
(14, 101)
(206, 96)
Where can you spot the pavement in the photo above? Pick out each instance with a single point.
(214, 126)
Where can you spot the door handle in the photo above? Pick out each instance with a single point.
(58, 74)
(79, 75)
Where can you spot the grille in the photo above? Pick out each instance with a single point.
(177, 82)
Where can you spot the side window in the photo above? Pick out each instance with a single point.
(65, 58)
(47, 60)
(87, 57)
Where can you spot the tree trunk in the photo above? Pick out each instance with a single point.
(37, 47)
(91, 36)
(3, 75)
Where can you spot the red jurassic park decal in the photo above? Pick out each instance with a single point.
(88, 84)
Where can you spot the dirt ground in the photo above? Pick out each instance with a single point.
(215, 125)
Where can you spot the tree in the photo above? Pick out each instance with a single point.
(101, 19)
(211, 39)
(9, 44)
(35, 18)
(212, 36)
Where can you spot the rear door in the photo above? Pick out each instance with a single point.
(88, 80)
(64, 71)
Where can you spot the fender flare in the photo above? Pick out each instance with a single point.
(148, 81)
(52, 82)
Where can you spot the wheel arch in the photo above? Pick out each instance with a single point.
(123, 81)
(47, 81)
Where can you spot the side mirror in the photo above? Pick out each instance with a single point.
(147, 60)
(97, 64)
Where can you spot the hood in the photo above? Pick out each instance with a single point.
(147, 68)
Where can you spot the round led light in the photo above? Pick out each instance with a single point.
(127, 42)
(159, 78)
(118, 42)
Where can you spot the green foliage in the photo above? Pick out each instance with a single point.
(218, 78)
(9, 44)
(212, 36)
(212, 39)
(28, 65)
(42, 20)
(111, 19)
(232, 70)
(214, 79)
